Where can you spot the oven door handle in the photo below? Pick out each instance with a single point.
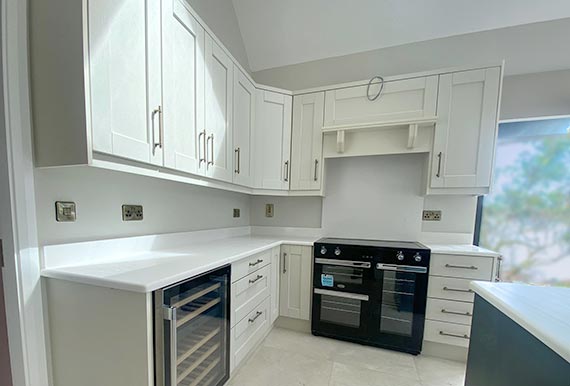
(343, 263)
(401, 268)
(346, 295)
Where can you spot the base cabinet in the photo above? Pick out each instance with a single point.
(295, 282)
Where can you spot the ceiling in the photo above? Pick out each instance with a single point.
(283, 32)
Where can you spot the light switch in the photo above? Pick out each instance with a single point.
(269, 210)
(65, 211)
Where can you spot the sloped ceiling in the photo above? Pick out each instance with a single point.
(283, 32)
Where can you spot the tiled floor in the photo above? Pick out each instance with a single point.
(288, 358)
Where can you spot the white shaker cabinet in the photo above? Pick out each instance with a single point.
(219, 93)
(183, 88)
(244, 103)
(273, 140)
(124, 77)
(307, 142)
(295, 282)
(466, 130)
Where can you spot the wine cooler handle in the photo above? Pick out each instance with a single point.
(171, 356)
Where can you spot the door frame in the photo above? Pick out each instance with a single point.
(18, 225)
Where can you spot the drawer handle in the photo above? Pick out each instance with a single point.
(461, 266)
(444, 311)
(257, 262)
(259, 277)
(468, 291)
(257, 315)
(464, 336)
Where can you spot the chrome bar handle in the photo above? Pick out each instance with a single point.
(464, 336)
(202, 148)
(316, 168)
(169, 314)
(499, 263)
(286, 178)
(155, 144)
(468, 291)
(461, 266)
(438, 174)
(259, 277)
(210, 162)
(258, 261)
(257, 315)
(237, 152)
(444, 311)
(284, 263)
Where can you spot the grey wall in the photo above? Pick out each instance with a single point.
(99, 194)
(220, 16)
(303, 212)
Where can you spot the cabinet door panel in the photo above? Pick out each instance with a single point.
(244, 120)
(465, 133)
(122, 52)
(183, 85)
(295, 282)
(307, 142)
(219, 84)
(273, 140)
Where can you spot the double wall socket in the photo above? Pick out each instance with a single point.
(132, 212)
(236, 213)
(431, 215)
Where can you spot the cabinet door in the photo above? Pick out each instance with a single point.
(464, 143)
(295, 285)
(307, 142)
(244, 121)
(183, 87)
(273, 140)
(124, 76)
(275, 269)
(219, 84)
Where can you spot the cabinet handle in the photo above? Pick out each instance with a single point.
(316, 168)
(461, 266)
(284, 263)
(155, 144)
(286, 171)
(257, 315)
(499, 263)
(259, 261)
(438, 174)
(444, 311)
(210, 137)
(200, 147)
(464, 336)
(259, 277)
(468, 291)
(238, 156)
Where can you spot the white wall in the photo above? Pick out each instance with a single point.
(99, 194)
(305, 212)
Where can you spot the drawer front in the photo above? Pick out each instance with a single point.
(248, 292)
(465, 267)
(447, 333)
(250, 264)
(450, 288)
(250, 331)
(449, 311)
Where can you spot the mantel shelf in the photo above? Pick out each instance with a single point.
(412, 124)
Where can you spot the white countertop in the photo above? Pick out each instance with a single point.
(461, 249)
(542, 311)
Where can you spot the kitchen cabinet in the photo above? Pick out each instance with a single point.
(466, 131)
(275, 257)
(183, 88)
(244, 103)
(273, 140)
(307, 142)
(124, 76)
(295, 282)
(219, 93)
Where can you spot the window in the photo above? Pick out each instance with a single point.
(527, 216)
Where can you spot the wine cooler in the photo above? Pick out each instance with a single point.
(192, 329)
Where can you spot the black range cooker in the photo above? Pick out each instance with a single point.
(371, 292)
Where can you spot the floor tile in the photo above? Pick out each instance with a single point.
(346, 375)
(298, 342)
(440, 372)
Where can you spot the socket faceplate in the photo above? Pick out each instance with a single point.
(132, 212)
(431, 215)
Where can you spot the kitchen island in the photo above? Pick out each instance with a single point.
(520, 336)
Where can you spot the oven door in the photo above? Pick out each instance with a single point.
(399, 311)
(343, 275)
(340, 314)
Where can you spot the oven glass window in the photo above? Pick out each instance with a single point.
(344, 275)
(397, 303)
(342, 311)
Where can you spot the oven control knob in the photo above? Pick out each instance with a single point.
(337, 251)
(323, 250)
(400, 255)
(417, 257)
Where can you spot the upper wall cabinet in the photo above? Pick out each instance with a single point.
(400, 100)
(183, 87)
(307, 142)
(273, 140)
(465, 133)
(124, 68)
(219, 94)
(244, 103)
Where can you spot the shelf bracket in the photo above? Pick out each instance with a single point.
(412, 135)
(340, 141)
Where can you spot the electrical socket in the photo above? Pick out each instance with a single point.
(132, 212)
(269, 210)
(236, 212)
(65, 211)
(431, 215)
